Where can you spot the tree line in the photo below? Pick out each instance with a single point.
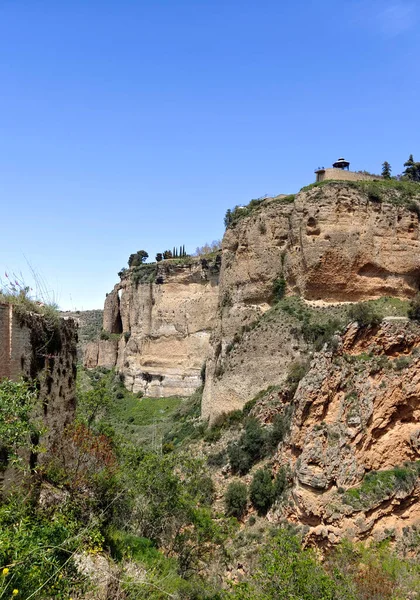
(410, 173)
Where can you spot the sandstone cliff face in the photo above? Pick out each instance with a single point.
(357, 411)
(333, 244)
(165, 323)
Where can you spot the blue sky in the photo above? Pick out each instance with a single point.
(135, 124)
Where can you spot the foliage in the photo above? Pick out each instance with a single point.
(138, 258)
(144, 273)
(261, 491)
(18, 430)
(380, 485)
(36, 552)
(414, 308)
(233, 216)
(365, 314)
(412, 169)
(159, 257)
(391, 191)
(386, 170)
(249, 449)
(279, 288)
(287, 572)
(236, 499)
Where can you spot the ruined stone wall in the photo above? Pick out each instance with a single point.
(44, 351)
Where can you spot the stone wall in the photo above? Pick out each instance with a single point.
(44, 351)
(342, 175)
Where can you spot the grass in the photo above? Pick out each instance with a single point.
(142, 419)
(377, 486)
(254, 206)
(399, 193)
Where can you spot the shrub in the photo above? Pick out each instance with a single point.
(364, 314)
(217, 459)
(280, 483)
(261, 491)
(236, 500)
(249, 449)
(279, 430)
(402, 362)
(297, 370)
(414, 309)
(279, 288)
(239, 459)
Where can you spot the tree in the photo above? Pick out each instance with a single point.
(386, 170)
(412, 169)
(261, 491)
(228, 218)
(138, 258)
(159, 257)
(236, 500)
(167, 254)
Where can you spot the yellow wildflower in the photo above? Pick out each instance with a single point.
(15, 592)
(5, 571)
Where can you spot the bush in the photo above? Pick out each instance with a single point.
(262, 491)
(414, 309)
(364, 314)
(297, 370)
(279, 288)
(249, 449)
(236, 500)
(280, 483)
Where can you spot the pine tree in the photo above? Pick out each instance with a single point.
(386, 170)
(412, 169)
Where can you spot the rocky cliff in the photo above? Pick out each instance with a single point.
(353, 449)
(158, 320)
(332, 243)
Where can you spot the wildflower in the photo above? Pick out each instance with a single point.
(5, 571)
(15, 592)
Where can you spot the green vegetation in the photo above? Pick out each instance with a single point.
(286, 571)
(365, 314)
(413, 312)
(400, 193)
(236, 499)
(144, 273)
(134, 260)
(233, 216)
(377, 486)
(279, 288)
(261, 491)
(18, 431)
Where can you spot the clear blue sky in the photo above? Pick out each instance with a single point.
(135, 124)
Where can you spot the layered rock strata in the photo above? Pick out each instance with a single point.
(333, 244)
(160, 328)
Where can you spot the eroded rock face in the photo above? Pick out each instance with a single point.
(344, 247)
(357, 411)
(166, 326)
(332, 244)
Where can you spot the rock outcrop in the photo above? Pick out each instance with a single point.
(335, 243)
(357, 413)
(159, 319)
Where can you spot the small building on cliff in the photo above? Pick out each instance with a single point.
(341, 171)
